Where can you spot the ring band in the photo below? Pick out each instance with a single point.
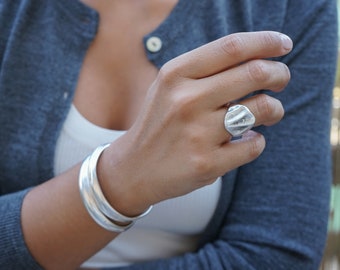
(238, 120)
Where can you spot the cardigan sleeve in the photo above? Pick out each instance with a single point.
(278, 215)
(14, 253)
(279, 211)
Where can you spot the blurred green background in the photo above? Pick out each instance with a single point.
(332, 252)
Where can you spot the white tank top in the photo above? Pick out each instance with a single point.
(173, 226)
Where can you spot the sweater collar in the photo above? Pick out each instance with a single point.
(78, 15)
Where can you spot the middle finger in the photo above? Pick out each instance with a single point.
(242, 80)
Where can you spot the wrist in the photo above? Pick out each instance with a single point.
(119, 186)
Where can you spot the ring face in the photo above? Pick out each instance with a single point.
(238, 119)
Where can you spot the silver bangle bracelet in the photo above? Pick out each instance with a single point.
(99, 197)
(94, 200)
(91, 206)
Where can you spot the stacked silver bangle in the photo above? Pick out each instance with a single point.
(94, 200)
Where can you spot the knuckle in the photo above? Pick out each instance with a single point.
(169, 73)
(202, 166)
(183, 104)
(264, 105)
(232, 45)
(258, 71)
(271, 40)
(282, 77)
(255, 148)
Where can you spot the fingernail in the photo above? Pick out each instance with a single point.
(287, 43)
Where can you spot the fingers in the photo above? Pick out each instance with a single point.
(229, 51)
(240, 152)
(242, 80)
(266, 109)
(184, 110)
(231, 155)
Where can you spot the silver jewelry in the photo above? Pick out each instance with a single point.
(238, 119)
(90, 204)
(94, 201)
(99, 197)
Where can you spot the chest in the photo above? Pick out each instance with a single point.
(116, 73)
(45, 61)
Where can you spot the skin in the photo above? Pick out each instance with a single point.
(176, 141)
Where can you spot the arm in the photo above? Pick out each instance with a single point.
(278, 218)
(53, 215)
(14, 253)
(53, 218)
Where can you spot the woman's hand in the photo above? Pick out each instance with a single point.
(179, 142)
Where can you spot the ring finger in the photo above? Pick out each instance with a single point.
(266, 110)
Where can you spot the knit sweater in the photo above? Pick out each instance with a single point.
(272, 212)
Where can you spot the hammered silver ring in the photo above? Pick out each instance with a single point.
(238, 120)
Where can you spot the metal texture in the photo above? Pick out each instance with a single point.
(238, 119)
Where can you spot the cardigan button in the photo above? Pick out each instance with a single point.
(154, 44)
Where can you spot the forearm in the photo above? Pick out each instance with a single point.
(136, 167)
(57, 228)
(278, 218)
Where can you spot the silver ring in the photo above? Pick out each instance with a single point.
(238, 119)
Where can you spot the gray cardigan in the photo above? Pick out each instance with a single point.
(272, 212)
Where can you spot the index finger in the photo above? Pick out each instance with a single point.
(229, 51)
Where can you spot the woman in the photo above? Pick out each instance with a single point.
(74, 74)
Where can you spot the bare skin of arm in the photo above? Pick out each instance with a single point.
(182, 116)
